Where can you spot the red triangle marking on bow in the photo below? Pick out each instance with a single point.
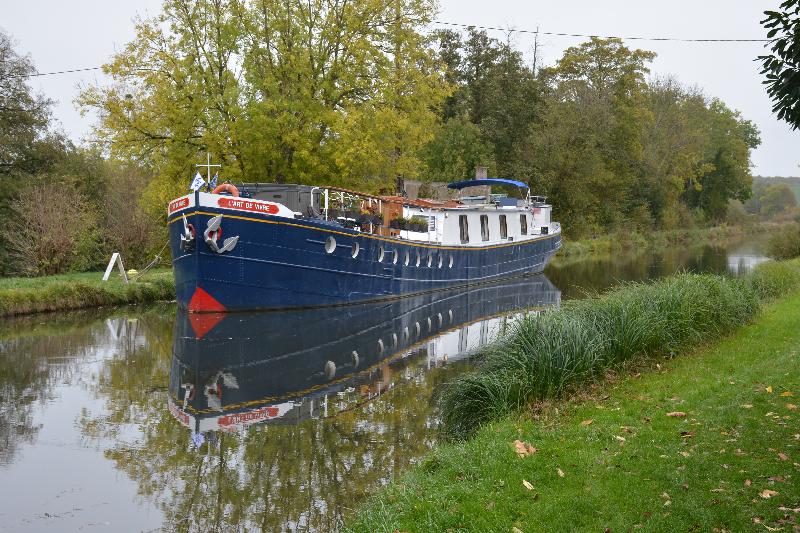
(205, 303)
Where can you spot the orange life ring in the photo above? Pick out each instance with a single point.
(226, 187)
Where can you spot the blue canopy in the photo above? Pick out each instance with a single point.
(486, 181)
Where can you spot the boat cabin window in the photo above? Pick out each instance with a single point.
(503, 227)
(523, 224)
(485, 227)
(463, 225)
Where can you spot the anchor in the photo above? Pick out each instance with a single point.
(187, 239)
(213, 231)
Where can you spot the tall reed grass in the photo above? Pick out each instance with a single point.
(549, 354)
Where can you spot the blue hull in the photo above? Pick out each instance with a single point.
(281, 263)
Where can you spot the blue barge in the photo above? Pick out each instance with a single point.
(281, 247)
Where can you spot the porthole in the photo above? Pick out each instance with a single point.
(395, 254)
(356, 249)
(381, 253)
(417, 328)
(441, 260)
(418, 259)
(430, 260)
(407, 259)
(330, 370)
(330, 245)
(451, 262)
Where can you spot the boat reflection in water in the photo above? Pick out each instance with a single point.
(234, 370)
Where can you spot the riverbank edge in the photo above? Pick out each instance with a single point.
(716, 462)
(23, 296)
(622, 242)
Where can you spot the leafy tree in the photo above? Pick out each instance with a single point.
(770, 199)
(587, 150)
(782, 67)
(319, 91)
(31, 151)
(729, 141)
(24, 116)
(456, 150)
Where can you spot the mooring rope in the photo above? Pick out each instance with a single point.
(153, 263)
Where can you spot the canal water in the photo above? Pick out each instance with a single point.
(143, 418)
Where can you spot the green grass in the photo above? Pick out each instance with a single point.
(632, 467)
(73, 291)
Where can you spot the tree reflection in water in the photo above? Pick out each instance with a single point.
(292, 445)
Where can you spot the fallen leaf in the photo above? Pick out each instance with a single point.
(560, 472)
(676, 414)
(787, 393)
(621, 439)
(717, 490)
(746, 406)
(516, 530)
(783, 457)
(791, 406)
(769, 389)
(523, 449)
(767, 494)
(747, 482)
(490, 506)
(665, 495)
(687, 434)
(587, 422)
(527, 485)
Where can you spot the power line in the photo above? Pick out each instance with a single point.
(556, 34)
(492, 28)
(37, 74)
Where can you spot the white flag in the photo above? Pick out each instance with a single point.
(197, 182)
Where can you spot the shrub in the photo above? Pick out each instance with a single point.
(51, 224)
(785, 244)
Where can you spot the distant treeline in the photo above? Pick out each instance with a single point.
(356, 94)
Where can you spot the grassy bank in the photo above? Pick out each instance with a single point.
(611, 457)
(20, 296)
(625, 242)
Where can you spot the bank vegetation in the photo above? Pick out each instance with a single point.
(361, 94)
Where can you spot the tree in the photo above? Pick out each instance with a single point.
(457, 148)
(782, 68)
(24, 116)
(28, 144)
(320, 91)
(588, 150)
(729, 141)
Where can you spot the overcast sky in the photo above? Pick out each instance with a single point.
(62, 35)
